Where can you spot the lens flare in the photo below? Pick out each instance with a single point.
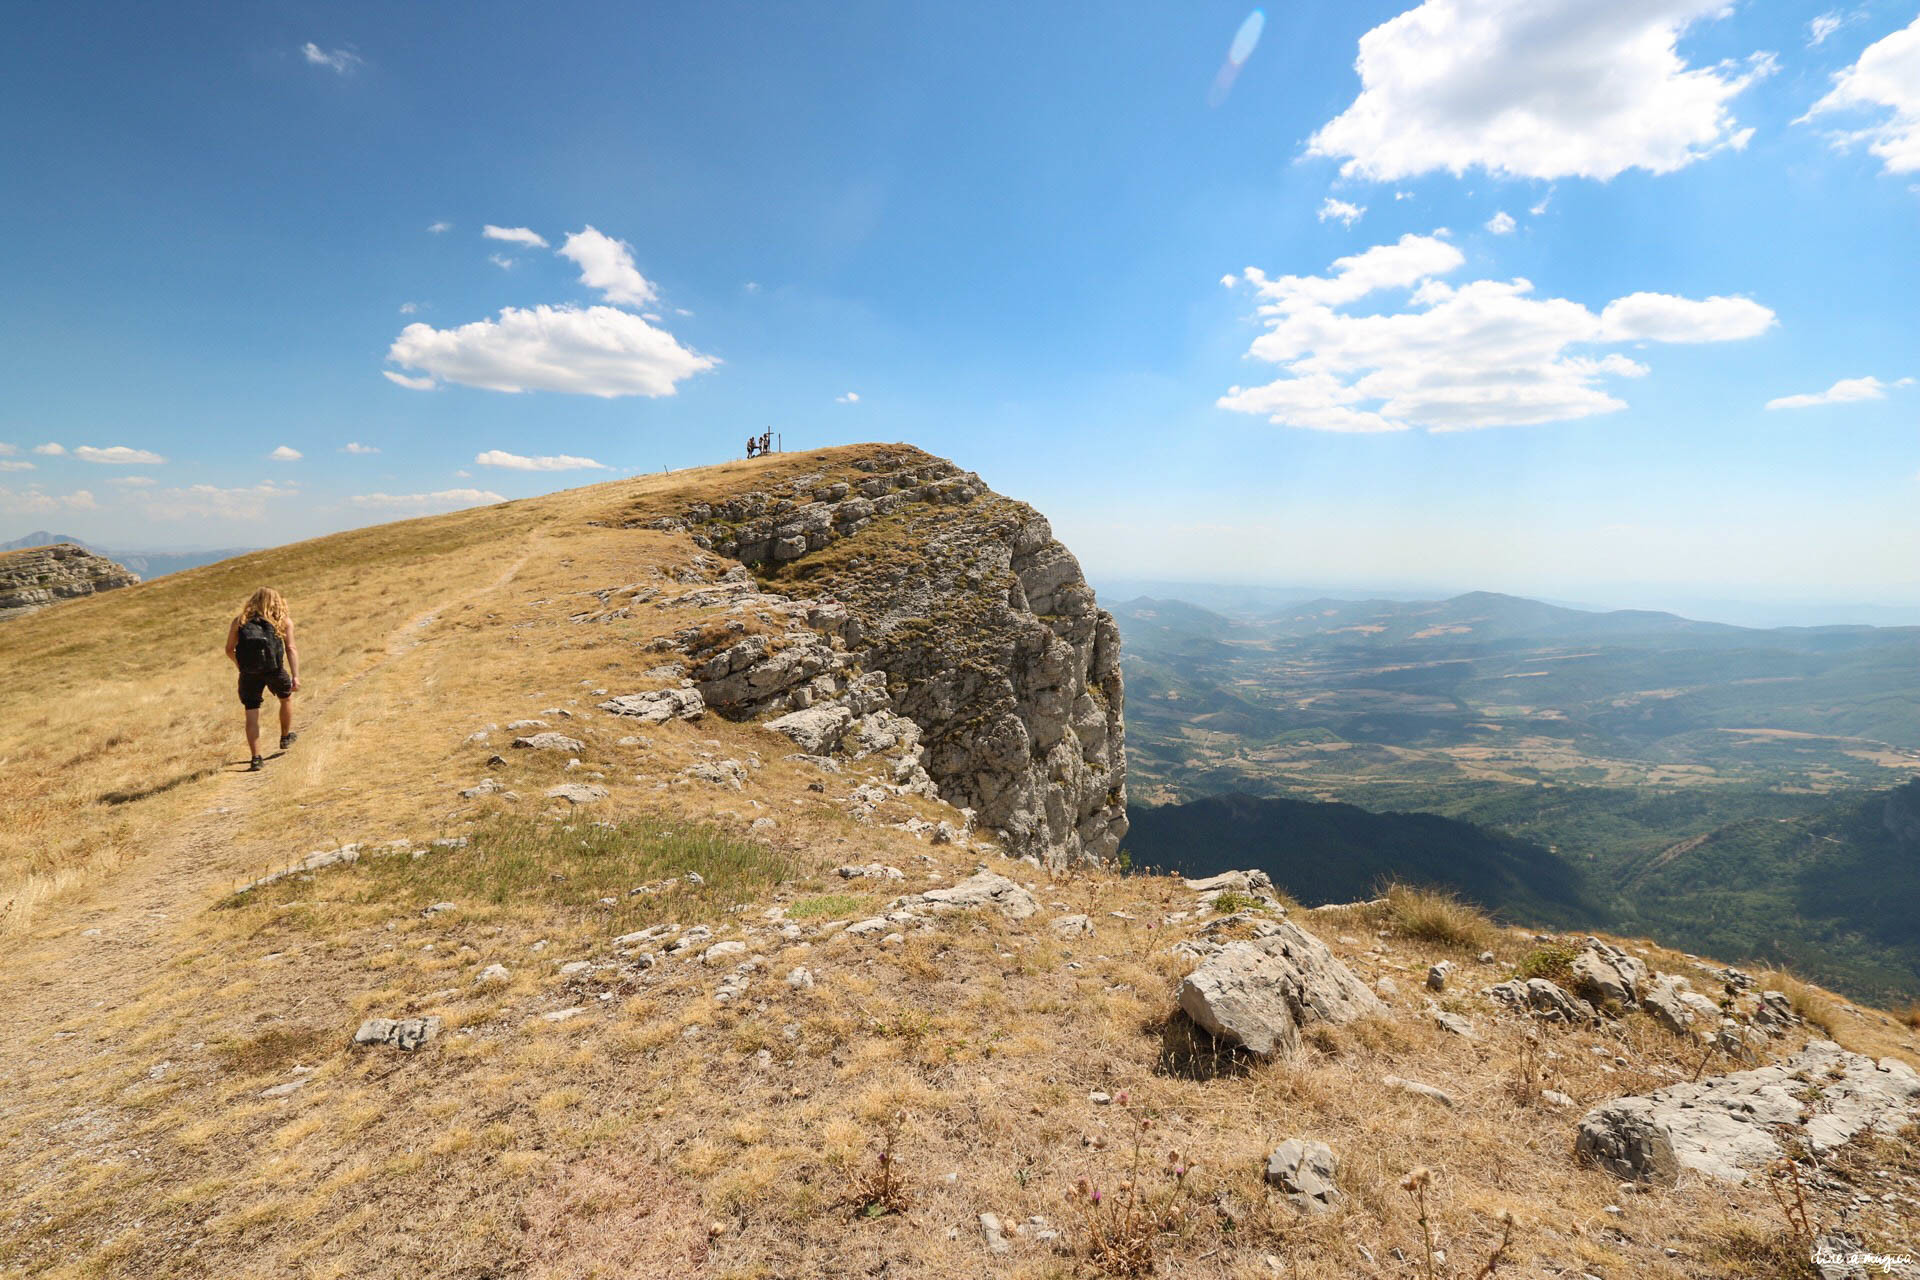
(1238, 52)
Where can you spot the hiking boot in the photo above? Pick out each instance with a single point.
(258, 764)
(286, 740)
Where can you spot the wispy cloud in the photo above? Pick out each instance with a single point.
(132, 482)
(515, 462)
(1823, 26)
(439, 228)
(443, 500)
(15, 464)
(1885, 78)
(502, 261)
(408, 308)
(1501, 223)
(37, 501)
(118, 455)
(1339, 210)
(411, 384)
(340, 61)
(51, 450)
(354, 446)
(1845, 391)
(211, 502)
(515, 235)
(852, 397)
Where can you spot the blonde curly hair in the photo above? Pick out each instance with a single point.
(269, 605)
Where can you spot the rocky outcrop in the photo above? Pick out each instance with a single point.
(963, 616)
(1727, 1126)
(1258, 995)
(41, 576)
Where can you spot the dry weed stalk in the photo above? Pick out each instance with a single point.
(881, 1190)
(1415, 1184)
(1526, 1085)
(1122, 1228)
(1783, 1181)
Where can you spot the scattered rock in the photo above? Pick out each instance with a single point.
(406, 1034)
(1543, 999)
(815, 730)
(1664, 1005)
(800, 979)
(1076, 926)
(563, 1015)
(658, 706)
(493, 975)
(1418, 1090)
(995, 1236)
(549, 742)
(1455, 1023)
(1304, 1170)
(1604, 974)
(1437, 975)
(577, 792)
(721, 773)
(1258, 994)
(286, 1090)
(875, 870)
(485, 787)
(1725, 1126)
(1554, 1098)
(723, 950)
(983, 889)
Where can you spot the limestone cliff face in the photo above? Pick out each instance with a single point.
(40, 576)
(989, 638)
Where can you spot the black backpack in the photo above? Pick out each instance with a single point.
(258, 650)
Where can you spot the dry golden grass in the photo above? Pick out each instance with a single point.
(665, 1130)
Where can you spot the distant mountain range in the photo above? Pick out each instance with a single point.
(148, 564)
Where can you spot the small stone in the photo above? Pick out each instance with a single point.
(493, 975)
(440, 908)
(577, 792)
(549, 742)
(801, 979)
(722, 950)
(1554, 1098)
(1437, 975)
(994, 1235)
(562, 1015)
(1417, 1089)
(286, 1090)
(1074, 926)
(573, 967)
(1305, 1171)
(1099, 1099)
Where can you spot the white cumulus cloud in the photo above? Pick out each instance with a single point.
(50, 450)
(1501, 223)
(1845, 391)
(515, 462)
(606, 264)
(118, 455)
(595, 351)
(37, 501)
(852, 397)
(341, 61)
(515, 235)
(1885, 79)
(1347, 214)
(443, 500)
(1536, 88)
(354, 446)
(286, 453)
(1486, 353)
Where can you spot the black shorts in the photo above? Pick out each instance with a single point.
(253, 687)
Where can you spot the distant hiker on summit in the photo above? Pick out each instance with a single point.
(260, 642)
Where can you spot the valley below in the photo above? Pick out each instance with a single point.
(1728, 789)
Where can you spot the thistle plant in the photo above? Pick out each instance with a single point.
(1123, 1224)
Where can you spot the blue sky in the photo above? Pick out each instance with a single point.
(1021, 235)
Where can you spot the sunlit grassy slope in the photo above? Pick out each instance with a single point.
(179, 1096)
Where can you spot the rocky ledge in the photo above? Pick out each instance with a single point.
(41, 576)
(955, 610)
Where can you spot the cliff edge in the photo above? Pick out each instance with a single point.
(989, 638)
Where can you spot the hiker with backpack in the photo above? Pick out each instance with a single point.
(260, 643)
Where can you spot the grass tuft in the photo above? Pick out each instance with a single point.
(1434, 915)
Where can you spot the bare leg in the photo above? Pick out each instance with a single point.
(286, 716)
(253, 730)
